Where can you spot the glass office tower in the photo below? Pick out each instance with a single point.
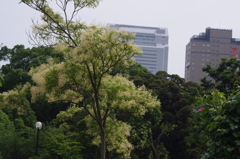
(154, 43)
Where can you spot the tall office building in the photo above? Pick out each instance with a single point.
(209, 48)
(154, 43)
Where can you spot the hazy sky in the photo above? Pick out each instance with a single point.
(183, 18)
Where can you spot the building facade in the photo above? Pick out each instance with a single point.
(209, 48)
(154, 43)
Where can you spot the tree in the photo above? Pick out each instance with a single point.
(55, 144)
(82, 79)
(7, 133)
(176, 98)
(218, 119)
(90, 54)
(59, 28)
(15, 74)
(72, 122)
(21, 60)
(1, 79)
(224, 77)
(117, 94)
(17, 134)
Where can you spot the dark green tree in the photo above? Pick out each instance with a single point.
(218, 125)
(17, 135)
(225, 77)
(6, 137)
(15, 73)
(21, 60)
(176, 98)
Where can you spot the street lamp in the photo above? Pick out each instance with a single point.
(38, 127)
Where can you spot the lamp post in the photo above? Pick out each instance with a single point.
(38, 127)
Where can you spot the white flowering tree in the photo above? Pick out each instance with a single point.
(82, 79)
(16, 99)
(59, 21)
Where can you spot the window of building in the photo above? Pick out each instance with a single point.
(145, 60)
(150, 54)
(144, 57)
(148, 64)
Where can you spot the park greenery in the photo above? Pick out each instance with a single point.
(96, 102)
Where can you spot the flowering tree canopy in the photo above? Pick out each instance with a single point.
(83, 80)
(90, 53)
(60, 26)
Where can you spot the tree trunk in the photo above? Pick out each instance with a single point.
(103, 144)
(154, 150)
(156, 156)
(154, 144)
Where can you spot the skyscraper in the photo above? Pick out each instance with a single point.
(154, 43)
(209, 48)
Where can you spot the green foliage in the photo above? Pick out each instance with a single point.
(72, 121)
(219, 121)
(224, 77)
(17, 138)
(7, 133)
(21, 60)
(55, 144)
(142, 129)
(176, 98)
(1, 79)
(90, 54)
(16, 99)
(83, 80)
(134, 71)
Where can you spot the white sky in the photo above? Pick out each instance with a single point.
(183, 18)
